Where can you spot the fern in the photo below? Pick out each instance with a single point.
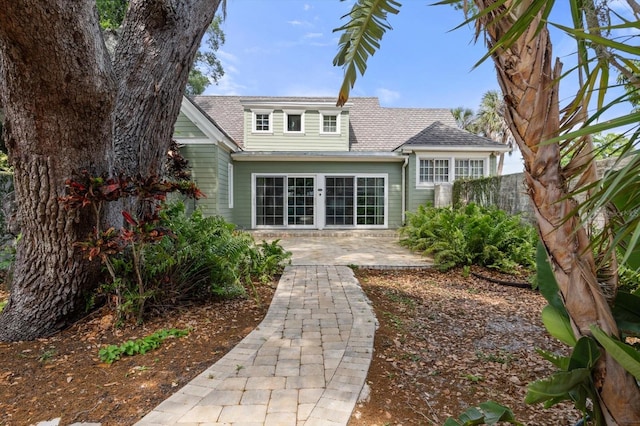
(199, 257)
(470, 235)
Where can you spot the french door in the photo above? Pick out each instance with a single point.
(319, 201)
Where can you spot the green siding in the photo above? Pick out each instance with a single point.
(416, 196)
(243, 182)
(223, 185)
(310, 140)
(203, 161)
(185, 129)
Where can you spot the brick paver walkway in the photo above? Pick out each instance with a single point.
(305, 364)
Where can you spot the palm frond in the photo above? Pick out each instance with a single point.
(361, 38)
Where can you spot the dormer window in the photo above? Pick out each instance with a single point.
(294, 121)
(262, 121)
(329, 122)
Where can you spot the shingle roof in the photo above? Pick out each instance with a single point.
(439, 134)
(372, 127)
(227, 112)
(376, 128)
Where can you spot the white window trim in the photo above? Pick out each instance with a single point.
(285, 117)
(452, 165)
(485, 163)
(230, 184)
(318, 177)
(385, 225)
(330, 113)
(431, 156)
(254, 112)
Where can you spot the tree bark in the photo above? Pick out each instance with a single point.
(57, 90)
(530, 87)
(68, 108)
(158, 42)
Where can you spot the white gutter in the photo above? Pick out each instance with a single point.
(320, 156)
(461, 148)
(404, 187)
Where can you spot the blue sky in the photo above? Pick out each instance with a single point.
(286, 48)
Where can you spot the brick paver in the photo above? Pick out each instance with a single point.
(305, 364)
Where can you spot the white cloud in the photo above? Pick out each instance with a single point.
(226, 56)
(307, 6)
(226, 86)
(313, 35)
(297, 23)
(387, 96)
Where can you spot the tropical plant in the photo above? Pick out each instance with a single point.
(471, 235)
(197, 257)
(489, 413)
(491, 123)
(465, 118)
(518, 41)
(609, 145)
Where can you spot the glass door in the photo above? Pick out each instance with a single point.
(269, 201)
(301, 204)
(339, 200)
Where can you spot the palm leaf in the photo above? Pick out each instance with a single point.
(361, 38)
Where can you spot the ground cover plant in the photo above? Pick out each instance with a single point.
(471, 235)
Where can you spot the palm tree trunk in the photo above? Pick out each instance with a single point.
(500, 164)
(530, 86)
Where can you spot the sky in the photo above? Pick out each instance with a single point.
(287, 47)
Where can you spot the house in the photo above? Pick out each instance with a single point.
(303, 163)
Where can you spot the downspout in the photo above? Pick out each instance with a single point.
(404, 188)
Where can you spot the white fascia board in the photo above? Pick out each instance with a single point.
(282, 105)
(194, 141)
(417, 150)
(321, 157)
(206, 126)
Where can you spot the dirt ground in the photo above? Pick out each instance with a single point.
(446, 342)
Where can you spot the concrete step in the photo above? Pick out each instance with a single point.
(302, 233)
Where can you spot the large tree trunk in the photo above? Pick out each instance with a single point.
(68, 108)
(151, 31)
(530, 87)
(57, 92)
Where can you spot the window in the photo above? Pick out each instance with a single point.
(301, 200)
(330, 123)
(262, 122)
(270, 200)
(293, 121)
(469, 169)
(339, 200)
(370, 201)
(434, 170)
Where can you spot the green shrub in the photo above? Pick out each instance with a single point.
(197, 257)
(471, 235)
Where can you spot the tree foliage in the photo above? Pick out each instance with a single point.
(465, 118)
(206, 68)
